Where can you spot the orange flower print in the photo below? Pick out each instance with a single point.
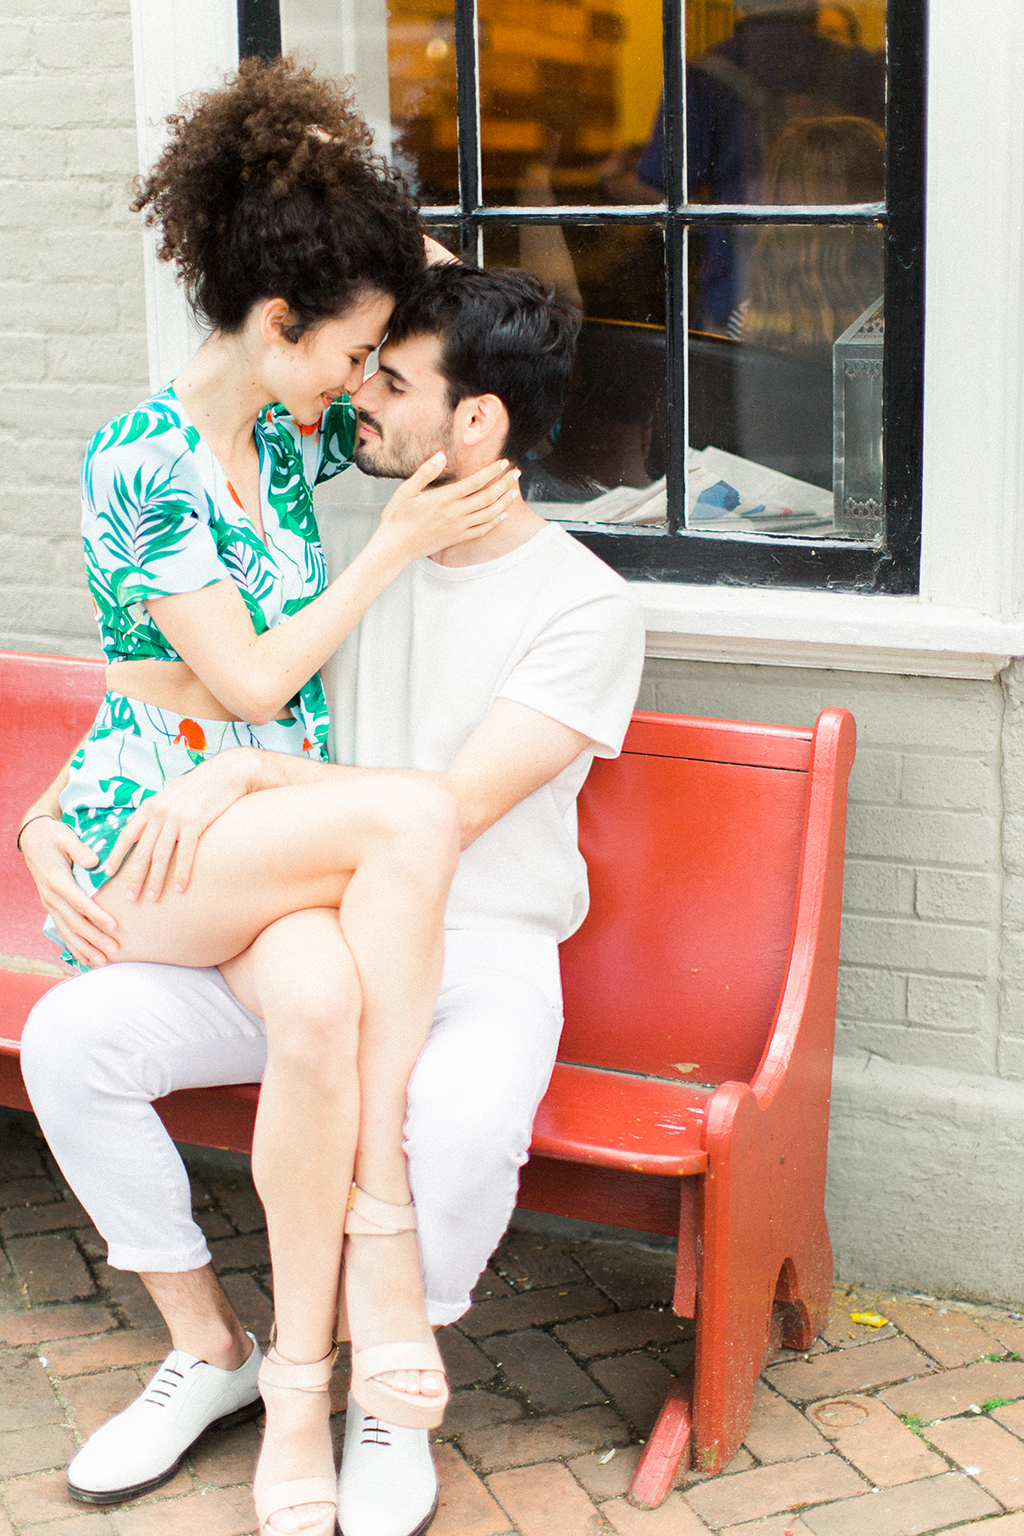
(307, 745)
(234, 495)
(312, 428)
(191, 733)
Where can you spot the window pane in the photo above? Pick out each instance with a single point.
(421, 69)
(606, 459)
(567, 95)
(793, 389)
(769, 103)
(401, 54)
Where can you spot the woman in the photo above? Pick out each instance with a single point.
(806, 283)
(293, 243)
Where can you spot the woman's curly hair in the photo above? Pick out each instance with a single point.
(269, 188)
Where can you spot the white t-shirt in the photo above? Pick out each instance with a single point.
(548, 625)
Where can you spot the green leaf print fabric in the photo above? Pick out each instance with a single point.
(159, 517)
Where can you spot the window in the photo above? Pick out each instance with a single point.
(527, 134)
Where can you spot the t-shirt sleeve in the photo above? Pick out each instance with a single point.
(584, 669)
(146, 520)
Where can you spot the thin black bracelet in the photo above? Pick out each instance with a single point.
(42, 816)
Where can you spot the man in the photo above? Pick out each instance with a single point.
(500, 667)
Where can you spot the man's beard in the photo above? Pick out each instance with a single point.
(405, 455)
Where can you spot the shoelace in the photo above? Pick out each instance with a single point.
(376, 1432)
(162, 1388)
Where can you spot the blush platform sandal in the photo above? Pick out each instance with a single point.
(277, 1374)
(369, 1217)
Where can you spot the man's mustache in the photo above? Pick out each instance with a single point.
(368, 421)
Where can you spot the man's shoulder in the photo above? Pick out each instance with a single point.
(577, 582)
(570, 560)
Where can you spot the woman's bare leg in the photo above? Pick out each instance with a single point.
(300, 976)
(383, 848)
(393, 840)
(384, 1299)
(287, 850)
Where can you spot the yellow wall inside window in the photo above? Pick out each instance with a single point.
(639, 70)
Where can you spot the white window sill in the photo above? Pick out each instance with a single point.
(831, 630)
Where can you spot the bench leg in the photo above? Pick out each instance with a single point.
(737, 1288)
(668, 1443)
(804, 1287)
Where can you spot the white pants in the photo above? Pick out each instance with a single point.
(97, 1050)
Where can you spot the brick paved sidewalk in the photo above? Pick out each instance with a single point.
(908, 1429)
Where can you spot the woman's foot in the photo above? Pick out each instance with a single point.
(397, 1371)
(294, 1488)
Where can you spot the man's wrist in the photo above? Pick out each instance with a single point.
(262, 769)
(247, 769)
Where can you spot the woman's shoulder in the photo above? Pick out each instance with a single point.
(155, 431)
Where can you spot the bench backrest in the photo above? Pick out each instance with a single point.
(693, 841)
(47, 704)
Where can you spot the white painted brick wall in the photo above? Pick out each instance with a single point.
(72, 311)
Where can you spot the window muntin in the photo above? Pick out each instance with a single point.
(688, 547)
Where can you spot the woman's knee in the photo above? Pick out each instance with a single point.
(313, 1021)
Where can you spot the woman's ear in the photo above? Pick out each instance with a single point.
(274, 317)
(479, 417)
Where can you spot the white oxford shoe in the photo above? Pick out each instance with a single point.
(387, 1485)
(146, 1444)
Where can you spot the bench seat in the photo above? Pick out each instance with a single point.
(622, 1120)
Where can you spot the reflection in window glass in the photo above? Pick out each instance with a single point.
(421, 69)
(401, 55)
(606, 459)
(785, 105)
(789, 401)
(753, 72)
(567, 91)
(347, 41)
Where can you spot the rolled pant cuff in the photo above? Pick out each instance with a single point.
(156, 1260)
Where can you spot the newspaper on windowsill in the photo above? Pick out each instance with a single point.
(723, 492)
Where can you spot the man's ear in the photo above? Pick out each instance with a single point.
(478, 418)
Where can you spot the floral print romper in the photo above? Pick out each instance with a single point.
(159, 517)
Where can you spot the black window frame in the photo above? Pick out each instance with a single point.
(699, 555)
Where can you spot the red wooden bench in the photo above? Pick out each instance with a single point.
(691, 1093)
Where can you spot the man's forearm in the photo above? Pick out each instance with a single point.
(274, 770)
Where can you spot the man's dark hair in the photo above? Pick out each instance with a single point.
(501, 334)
